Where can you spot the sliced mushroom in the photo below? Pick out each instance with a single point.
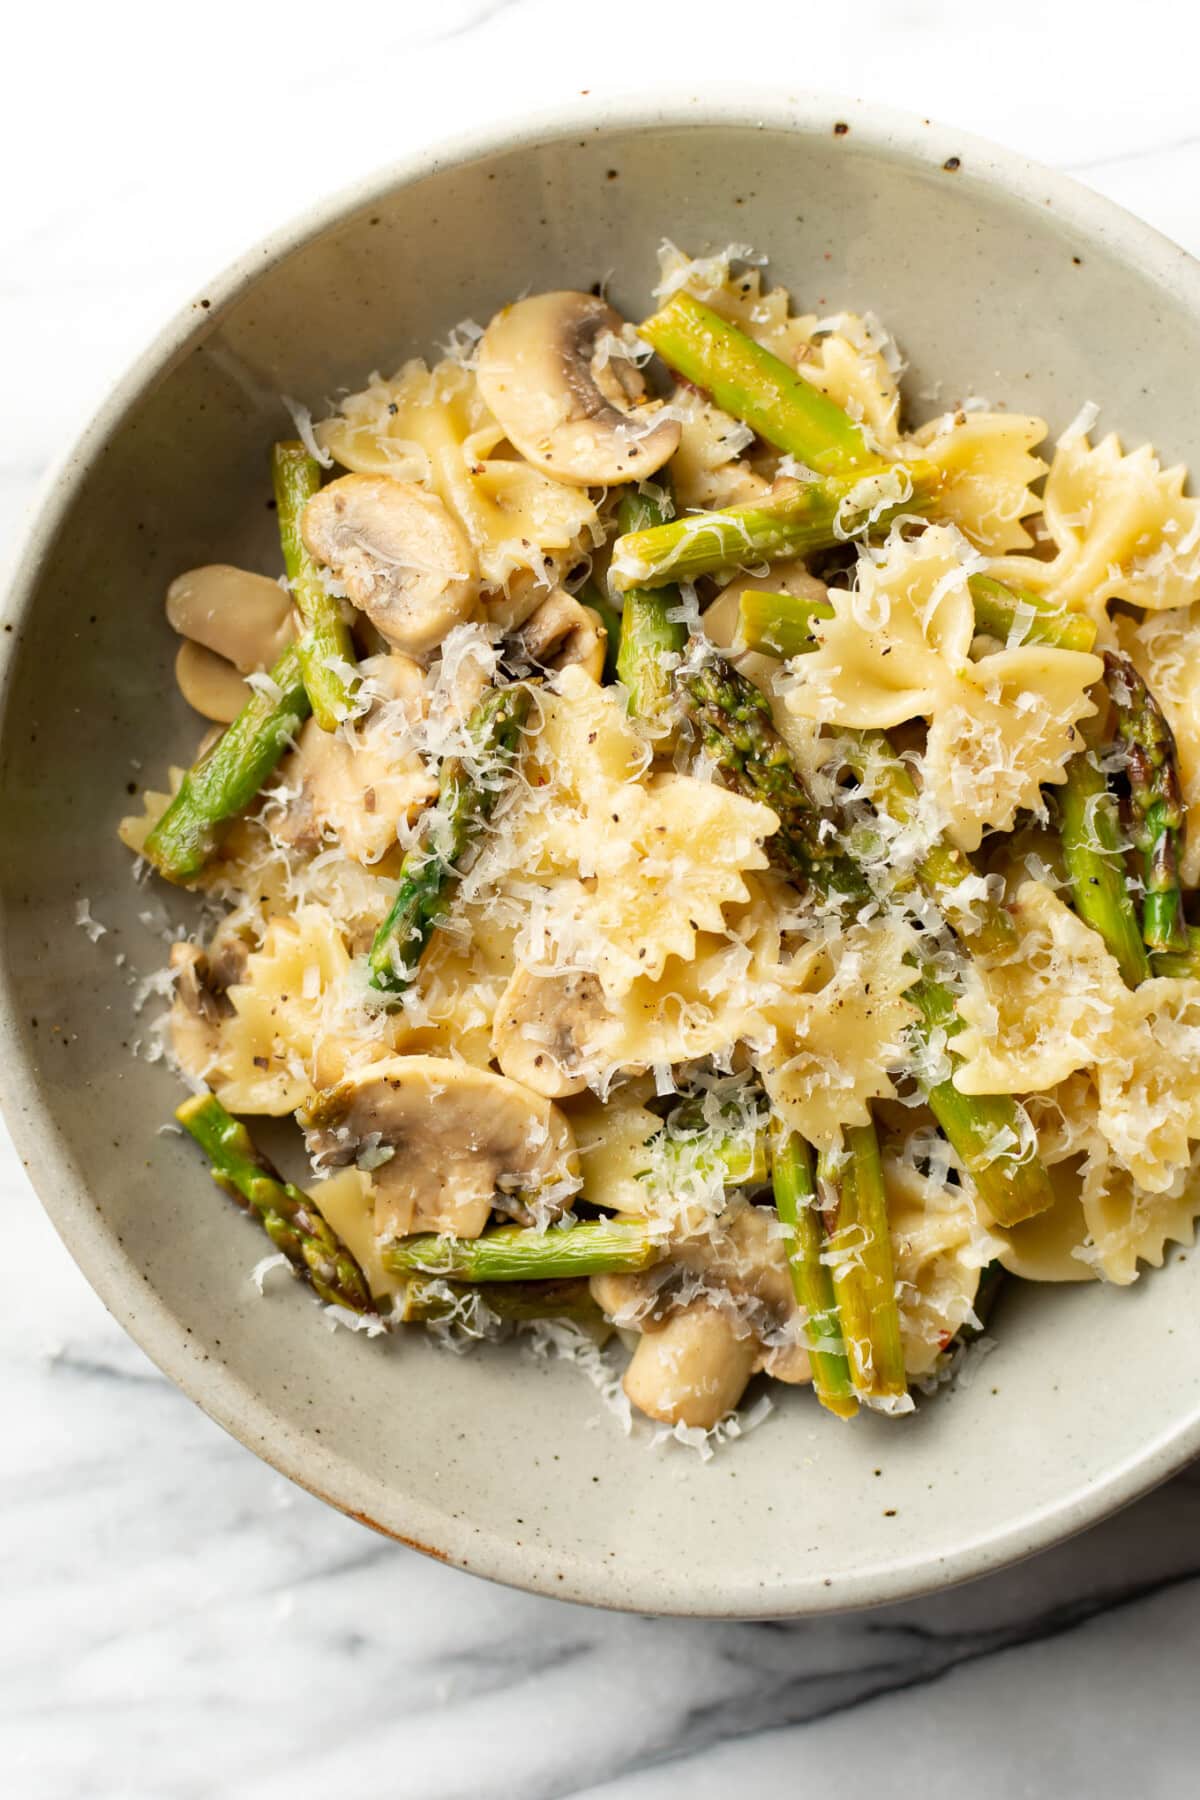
(694, 1370)
(209, 684)
(562, 631)
(401, 556)
(360, 788)
(461, 1141)
(233, 623)
(548, 1031)
(573, 412)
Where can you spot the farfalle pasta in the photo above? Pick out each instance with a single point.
(705, 859)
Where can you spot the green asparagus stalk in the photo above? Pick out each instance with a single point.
(755, 386)
(782, 624)
(1013, 1183)
(651, 640)
(1183, 964)
(1001, 610)
(942, 868)
(325, 638)
(229, 776)
(464, 805)
(520, 1253)
(289, 1218)
(1156, 801)
(795, 519)
(610, 618)
(738, 1153)
(735, 726)
(430, 1299)
(812, 1283)
(1090, 831)
(860, 1257)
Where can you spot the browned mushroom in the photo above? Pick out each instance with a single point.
(563, 631)
(572, 411)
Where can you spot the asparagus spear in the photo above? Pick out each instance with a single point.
(782, 624)
(738, 1154)
(325, 638)
(1185, 963)
(755, 386)
(1090, 833)
(1156, 802)
(1002, 610)
(519, 1253)
(288, 1216)
(428, 1299)
(464, 804)
(860, 1256)
(795, 519)
(610, 618)
(228, 776)
(988, 1132)
(735, 726)
(812, 1283)
(651, 640)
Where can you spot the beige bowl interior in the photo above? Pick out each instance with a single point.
(997, 280)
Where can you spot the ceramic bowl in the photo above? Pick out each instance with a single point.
(997, 278)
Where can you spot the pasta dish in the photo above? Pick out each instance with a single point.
(703, 861)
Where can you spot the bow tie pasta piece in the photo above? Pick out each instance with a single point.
(897, 648)
(1148, 1082)
(709, 470)
(834, 1022)
(1122, 526)
(988, 463)
(641, 867)
(1034, 1017)
(558, 1031)
(939, 1248)
(1163, 648)
(431, 426)
(613, 1137)
(291, 992)
(1102, 1224)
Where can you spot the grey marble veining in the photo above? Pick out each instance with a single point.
(176, 1621)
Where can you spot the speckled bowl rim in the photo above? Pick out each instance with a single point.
(61, 1184)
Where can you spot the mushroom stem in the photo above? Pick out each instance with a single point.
(521, 1253)
(324, 643)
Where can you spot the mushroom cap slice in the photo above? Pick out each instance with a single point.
(573, 414)
(245, 618)
(463, 1141)
(209, 684)
(549, 1030)
(400, 555)
(561, 630)
(360, 787)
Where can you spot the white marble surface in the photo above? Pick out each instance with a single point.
(177, 1622)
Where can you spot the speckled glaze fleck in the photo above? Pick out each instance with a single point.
(998, 278)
